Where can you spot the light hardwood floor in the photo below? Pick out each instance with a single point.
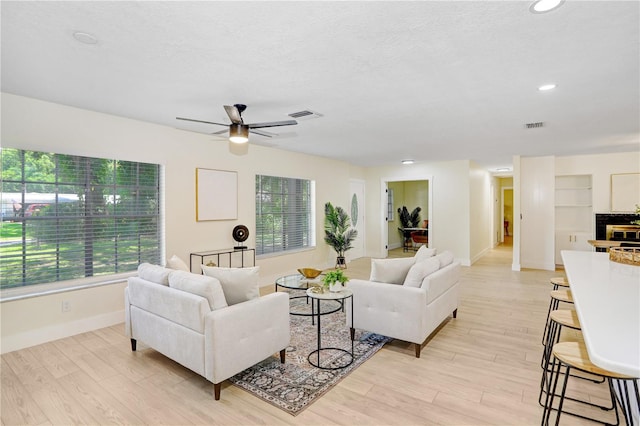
(481, 368)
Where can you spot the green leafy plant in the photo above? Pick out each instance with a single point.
(409, 220)
(337, 229)
(334, 277)
(636, 222)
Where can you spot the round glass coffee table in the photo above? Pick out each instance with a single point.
(299, 303)
(344, 358)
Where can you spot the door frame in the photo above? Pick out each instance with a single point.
(502, 213)
(384, 186)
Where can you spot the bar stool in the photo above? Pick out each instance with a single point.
(557, 296)
(573, 355)
(561, 318)
(559, 282)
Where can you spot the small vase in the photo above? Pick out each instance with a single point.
(336, 287)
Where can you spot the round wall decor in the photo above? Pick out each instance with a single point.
(240, 233)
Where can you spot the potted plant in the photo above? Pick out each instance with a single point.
(338, 232)
(408, 220)
(335, 280)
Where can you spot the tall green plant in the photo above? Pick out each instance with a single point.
(337, 229)
(409, 220)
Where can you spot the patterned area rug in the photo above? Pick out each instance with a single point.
(294, 385)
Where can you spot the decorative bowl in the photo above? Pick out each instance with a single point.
(309, 273)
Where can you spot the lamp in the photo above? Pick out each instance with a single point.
(238, 133)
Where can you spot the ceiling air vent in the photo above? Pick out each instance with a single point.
(534, 125)
(305, 115)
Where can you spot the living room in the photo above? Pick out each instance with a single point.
(462, 214)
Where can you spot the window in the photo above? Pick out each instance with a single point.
(66, 217)
(284, 214)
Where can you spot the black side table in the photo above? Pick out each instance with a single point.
(331, 296)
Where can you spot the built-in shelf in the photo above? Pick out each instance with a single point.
(574, 213)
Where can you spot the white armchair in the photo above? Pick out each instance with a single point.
(185, 317)
(415, 297)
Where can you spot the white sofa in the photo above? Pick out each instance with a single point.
(186, 317)
(406, 298)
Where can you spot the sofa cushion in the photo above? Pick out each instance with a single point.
(445, 258)
(154, 273)
(178, 264)
(207, 287)
(392, 271)
(424, 253)
(238, 284)
(419, 271)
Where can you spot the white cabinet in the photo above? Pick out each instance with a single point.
(573, 214)
(572, 240)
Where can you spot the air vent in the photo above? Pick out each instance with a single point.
(305, 115)
(534, 125)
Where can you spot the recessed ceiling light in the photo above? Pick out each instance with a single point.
(545, 87)
(85, 38)
(503, 169)
(543, 6)
(408, 161)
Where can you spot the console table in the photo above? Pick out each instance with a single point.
(242, 257)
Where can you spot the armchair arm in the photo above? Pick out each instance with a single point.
(388, 309)
(244, 334)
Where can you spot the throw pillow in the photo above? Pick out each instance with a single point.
(154, 273)
(238, 284)
(445, 258)
(207, 287)
(419, 271)
(424, 253)
(178, 264)
(392, 271)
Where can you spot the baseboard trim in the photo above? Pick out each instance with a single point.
(59, 331)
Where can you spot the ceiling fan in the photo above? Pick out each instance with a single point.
(238, 130)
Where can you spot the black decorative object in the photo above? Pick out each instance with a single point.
(240, 234)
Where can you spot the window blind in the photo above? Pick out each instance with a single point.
(284, 214)
(67, 217)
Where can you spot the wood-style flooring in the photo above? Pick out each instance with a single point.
(481, 368)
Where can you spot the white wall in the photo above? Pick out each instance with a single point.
(43, 126)
(480, 222)
(450, 205)
(537, 198)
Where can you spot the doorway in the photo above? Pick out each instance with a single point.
(411, 193)
(507, 216)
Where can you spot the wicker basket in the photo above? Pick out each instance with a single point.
(626, 255)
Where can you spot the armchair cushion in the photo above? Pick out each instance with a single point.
(424, 253)
(393, 271)
(174, 262)
(419, 271)
(238, 284)
(154, 273)
(207, 287)
(445, 258)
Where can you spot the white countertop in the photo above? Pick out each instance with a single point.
(607, 298)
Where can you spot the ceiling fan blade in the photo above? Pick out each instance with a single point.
(201, 121)
(233, 113)
(273, 124)
(220, 132)
(262, 133)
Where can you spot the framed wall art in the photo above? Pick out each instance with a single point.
(216, 195)
(625, 192)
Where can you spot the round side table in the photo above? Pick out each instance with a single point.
(314, 356)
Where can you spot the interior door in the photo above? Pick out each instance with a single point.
(356, 213)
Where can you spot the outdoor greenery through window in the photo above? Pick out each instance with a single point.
(284, 214)
(67, 217)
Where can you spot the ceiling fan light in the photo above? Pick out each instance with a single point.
(238, 133)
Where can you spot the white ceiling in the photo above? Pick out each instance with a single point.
(427, 80)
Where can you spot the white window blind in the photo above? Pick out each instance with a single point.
(66, 217)
(284, 214)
